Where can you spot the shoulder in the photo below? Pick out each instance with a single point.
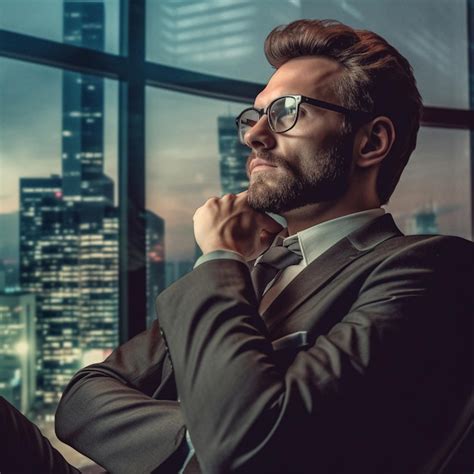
(437, 248)
(435, 261)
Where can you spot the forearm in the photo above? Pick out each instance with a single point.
(117, 426)
(214, 409)
(108, 411)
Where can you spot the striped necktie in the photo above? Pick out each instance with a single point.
(275, 259)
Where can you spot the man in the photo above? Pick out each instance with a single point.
(351, 355)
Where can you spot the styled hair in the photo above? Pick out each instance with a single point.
(376, 79)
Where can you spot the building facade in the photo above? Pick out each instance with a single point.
(69, 229)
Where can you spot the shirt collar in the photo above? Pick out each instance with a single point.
(315, 240)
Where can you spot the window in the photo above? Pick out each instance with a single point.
(225, 37)
(193, 153)
(89, 23)
(90, 145)
(433, 195)
(59, 257)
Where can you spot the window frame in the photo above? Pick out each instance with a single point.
(134, 73)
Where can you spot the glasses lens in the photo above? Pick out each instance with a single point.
(247, 120)
(282, 114)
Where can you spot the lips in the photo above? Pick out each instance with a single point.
(259, 162)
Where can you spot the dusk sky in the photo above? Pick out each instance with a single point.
(181, 130)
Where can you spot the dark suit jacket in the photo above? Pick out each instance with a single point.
(375, 387)
(23, 449)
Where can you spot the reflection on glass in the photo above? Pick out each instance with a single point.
(68, 21)
(221, 37)
(225, 37)
(59, 248)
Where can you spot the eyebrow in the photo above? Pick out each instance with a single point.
(282, 94)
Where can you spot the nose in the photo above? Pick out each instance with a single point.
(260, 136)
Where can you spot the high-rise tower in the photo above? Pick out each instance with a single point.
(69, 228)
(233, 157)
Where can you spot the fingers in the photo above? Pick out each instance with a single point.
(215, 201)
(228, 201)
(265, 221)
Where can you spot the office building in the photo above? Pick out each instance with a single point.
(232, 157)
(69, 228)
(155, 269)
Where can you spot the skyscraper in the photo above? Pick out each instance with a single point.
(48, 269)
(90, 218)
(155, 269)
(423, 221)
(233, 157)
(69, 228)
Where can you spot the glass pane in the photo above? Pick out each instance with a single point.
(192, 153)
(93, 24)
(221, 37)
(225, 37)
(59, 245)
(434, 192)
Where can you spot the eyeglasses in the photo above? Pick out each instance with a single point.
(282, 114)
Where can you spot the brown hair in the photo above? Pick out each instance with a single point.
(377, 79)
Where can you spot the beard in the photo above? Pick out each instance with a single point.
(324, 178)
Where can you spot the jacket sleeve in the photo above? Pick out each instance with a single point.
(245, 413)
(24, 448)
(108, 412)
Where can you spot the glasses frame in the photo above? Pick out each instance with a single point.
(302, 99)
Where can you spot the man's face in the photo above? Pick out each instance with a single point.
(310, 163)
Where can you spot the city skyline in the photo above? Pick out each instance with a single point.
(59, 209)
(69, 230)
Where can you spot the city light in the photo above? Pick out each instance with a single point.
(21, 348)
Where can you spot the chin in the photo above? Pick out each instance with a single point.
(265, 199)
(285, 198)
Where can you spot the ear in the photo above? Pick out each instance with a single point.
(373, 142)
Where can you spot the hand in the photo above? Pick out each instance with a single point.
(229, 223)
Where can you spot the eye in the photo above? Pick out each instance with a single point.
(304, 111)
(249, 122)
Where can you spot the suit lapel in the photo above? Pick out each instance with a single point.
(334, 260)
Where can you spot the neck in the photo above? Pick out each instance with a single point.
(312, 214)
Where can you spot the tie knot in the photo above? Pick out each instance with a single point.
(281, 255)
(276, 258)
